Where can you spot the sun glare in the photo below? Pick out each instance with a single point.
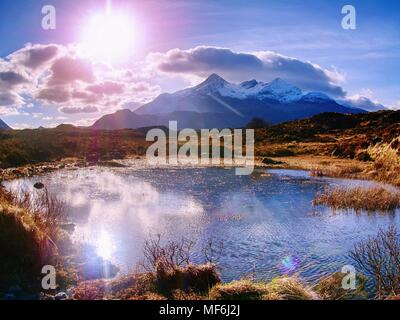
(108, 37)
(104, 246)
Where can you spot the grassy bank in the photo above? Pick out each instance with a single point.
(364, 146)
(27, 241)
(23, 147)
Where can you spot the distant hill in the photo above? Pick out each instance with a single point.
(216, 103)
(3, 125)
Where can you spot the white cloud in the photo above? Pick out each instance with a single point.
(239, 66)
(56, 76)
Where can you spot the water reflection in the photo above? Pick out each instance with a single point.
(267, 223)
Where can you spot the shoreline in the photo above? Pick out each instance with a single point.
(317, 165)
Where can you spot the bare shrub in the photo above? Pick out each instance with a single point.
(171, 254)
(379, 257)
(172, 267)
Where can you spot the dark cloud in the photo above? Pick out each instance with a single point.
(237, 66)
(57, 94)
(10, 98)
(11, 78)
(75, 110)
(70, 69)
(34, 56)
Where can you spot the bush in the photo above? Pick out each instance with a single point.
(194, 278)
(378, 257)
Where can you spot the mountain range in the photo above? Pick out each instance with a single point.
(217, 103)
(3, 125)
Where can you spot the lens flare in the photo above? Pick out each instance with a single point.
(289, 264)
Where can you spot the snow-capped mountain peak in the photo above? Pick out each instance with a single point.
(277, 89)
(212, 84)
(249, 84)
(316, 97)
(281, 90)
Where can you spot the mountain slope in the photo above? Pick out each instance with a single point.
(3, 125)
(218, 103)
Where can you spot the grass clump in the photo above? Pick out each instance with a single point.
(369, 199)
(289, 288)
(282, 288)
(26, 244)
(327, 170)
(192, 278)
(331, 288)
(387, 161)
(239, 290)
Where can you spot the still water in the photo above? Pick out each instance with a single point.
(266, 221)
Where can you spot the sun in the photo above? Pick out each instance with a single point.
(108, 37)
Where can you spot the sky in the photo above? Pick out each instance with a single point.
(105, 55)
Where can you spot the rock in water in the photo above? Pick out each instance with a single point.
(39, 185)
(61, 296)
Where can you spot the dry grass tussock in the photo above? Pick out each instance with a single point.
(26, 243)
(386, 162)
(359, 198)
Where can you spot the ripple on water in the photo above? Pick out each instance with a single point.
(264, 222)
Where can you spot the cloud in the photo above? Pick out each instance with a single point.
(70, 69)
(362, 102)
(8, 111)
(395, 106)
(239, 66)
(107, 88)
(35, 56)
(10, 99)
(56, 94)
(75, 110)
(11, 79)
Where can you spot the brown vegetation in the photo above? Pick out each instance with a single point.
(25, 241)
(359, 198)
(378, 257)
(369, 143)
(22, 147)
(330, 288)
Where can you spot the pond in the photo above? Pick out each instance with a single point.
(266, 221)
